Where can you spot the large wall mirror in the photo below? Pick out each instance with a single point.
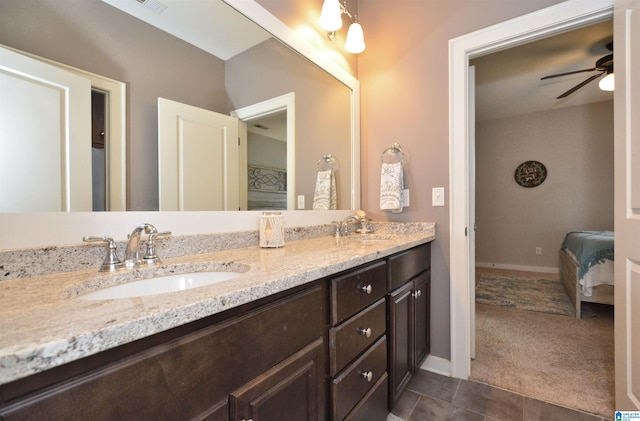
(208, 55)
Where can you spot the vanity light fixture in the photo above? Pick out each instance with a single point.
(331, 20)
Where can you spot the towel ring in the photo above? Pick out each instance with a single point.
(393, 155)
(327, 162)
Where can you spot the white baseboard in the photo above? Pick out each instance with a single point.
(437, 365)
(540, 269)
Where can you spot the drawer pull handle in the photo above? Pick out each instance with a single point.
(367, 375)
(366, 332)
(366, 289)
(417, 294)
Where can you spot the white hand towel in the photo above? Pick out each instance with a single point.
(325, 197)
(391, 186)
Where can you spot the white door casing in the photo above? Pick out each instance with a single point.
(472, 209)
(45, 108)
(543, 23)
(197, 158)
(627, 203)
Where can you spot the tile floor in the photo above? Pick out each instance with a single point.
(430, 396)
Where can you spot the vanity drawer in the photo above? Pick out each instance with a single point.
(373, 407)
(355, 290)
(352, 384)
(404, 266)
(357, 333)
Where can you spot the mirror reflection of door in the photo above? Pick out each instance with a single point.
(197, 158)
(46, 109)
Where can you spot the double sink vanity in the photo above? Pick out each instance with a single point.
(322, 328)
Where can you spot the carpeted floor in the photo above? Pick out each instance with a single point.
(554, 358)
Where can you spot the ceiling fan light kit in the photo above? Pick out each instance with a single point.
(604, 65)
(607, 83)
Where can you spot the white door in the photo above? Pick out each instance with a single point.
(45, 109)
(197, 158)
(626, 23)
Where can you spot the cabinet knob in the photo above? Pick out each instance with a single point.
(366, 332)
(417, 294)
(366, 289)
(367, 375)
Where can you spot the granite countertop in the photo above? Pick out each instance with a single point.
(44, 323)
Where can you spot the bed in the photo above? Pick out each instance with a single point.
(586, 267)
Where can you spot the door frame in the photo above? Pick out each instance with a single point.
(562, 17)
(286, 102)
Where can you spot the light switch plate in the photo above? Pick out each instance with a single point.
(437, 196)
(405, 198)
(301, 201)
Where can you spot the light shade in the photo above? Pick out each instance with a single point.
(355, 39)
(607, 83)
(331, 15)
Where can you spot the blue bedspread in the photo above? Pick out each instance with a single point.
(590, 248)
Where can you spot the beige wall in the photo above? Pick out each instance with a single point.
(576, 146)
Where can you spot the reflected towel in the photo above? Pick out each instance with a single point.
(391, 186)
(325, 197)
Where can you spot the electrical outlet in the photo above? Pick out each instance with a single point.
(405, 198)
(301, 201)
(538, 251)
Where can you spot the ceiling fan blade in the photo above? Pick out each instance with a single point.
(570, 73)
(580, 85)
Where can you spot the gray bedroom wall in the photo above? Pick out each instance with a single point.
(576, 146)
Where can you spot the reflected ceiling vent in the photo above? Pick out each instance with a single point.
(153, 5)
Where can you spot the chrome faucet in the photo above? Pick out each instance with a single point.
(132, 257)
(361, 217)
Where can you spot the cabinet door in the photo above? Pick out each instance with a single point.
(287, 391)
(422, 312)
(400, 303)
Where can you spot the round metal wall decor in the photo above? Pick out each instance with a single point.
(530, 174)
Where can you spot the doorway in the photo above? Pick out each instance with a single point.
(285, 107)
(553, 20)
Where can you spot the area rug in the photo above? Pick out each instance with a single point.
(537, 294)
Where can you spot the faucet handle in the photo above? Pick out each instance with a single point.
(338, 229)
(151, 256)
(111, 262)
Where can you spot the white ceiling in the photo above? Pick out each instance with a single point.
(508, 82)
(213, 26)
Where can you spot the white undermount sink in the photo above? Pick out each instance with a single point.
(161, 285)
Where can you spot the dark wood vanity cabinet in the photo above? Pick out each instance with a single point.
(341, 348)
(408, 316)
(269, 360)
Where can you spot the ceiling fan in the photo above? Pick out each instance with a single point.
(604, 66)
